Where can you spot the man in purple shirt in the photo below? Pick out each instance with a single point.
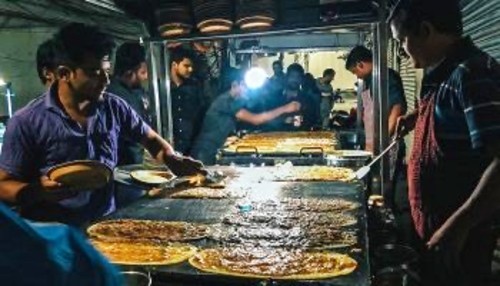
(74, 120)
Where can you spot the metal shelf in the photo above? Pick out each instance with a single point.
(355, 24)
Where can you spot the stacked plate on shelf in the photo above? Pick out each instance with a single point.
(255, 14)
(213, 16)
(173, 18)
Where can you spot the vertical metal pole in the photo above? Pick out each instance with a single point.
(359, 117)
(380, 90)
(153, 80)
(9, 94)
(359, 90)
(170, 119)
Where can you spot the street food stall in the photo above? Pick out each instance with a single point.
(262, 221)
(337, 32)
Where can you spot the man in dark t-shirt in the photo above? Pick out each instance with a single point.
(223, 114)
(130, 71)
(188, 102)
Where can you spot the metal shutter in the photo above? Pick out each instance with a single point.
(390, 54)
(482, 22)
(409, 78)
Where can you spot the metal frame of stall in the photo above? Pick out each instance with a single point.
(158, 64)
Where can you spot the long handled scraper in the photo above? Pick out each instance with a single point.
(362, 172)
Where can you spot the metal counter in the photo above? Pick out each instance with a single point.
(249, 153)
(212, 211)
(264, 160)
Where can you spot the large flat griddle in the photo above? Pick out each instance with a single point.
(212, 211)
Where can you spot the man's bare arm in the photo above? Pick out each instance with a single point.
(396, 112)
(261, 118)
(158, 147)
(164, 153)
(9, 187)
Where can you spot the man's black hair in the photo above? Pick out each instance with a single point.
(46, 59)
(444, 15)
(356, 55)
(179, 54)
(76, 42)
(328, 72)
(277, 62)
(295, 67)
(129, 57)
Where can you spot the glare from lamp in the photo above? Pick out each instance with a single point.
(2, 82)
(255, 77)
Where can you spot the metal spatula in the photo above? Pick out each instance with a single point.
(211, 179)
(362, 172)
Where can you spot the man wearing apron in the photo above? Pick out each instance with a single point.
(454, 167)
(360, 63)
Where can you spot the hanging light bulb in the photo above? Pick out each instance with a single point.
(255, 77)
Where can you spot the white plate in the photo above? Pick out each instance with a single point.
(152, 177)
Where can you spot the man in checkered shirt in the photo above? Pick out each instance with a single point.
(454, 167)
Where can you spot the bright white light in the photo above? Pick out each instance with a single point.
(2, 82)
(255, 77)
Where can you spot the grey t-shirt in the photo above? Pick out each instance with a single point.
(325, 89)
(219, 122)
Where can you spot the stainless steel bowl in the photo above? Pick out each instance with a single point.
(136, 278)
(396, 276)
(394, 255)
(348, 158)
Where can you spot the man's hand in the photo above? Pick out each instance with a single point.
(405, 124)
(48, 184)
(45, 190)
(447, 244)
(55, 191)
(184, 166)
(292, 107)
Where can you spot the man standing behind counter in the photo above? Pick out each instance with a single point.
(129, 74)
(308, 117)
(454, 167)
(360, 63)
(325, 86)
(188, 102)
(223, 114)
(74, 120)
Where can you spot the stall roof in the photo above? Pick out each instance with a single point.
(299, 42)
(27, 14)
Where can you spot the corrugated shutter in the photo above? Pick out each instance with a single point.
(409, 78)
(482, 22)
(390, 54)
